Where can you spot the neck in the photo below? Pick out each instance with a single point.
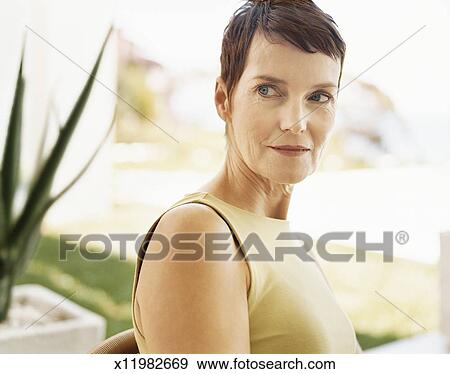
(238, 185)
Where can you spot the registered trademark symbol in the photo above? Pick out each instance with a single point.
(402, 237)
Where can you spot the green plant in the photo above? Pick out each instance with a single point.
(20, 228)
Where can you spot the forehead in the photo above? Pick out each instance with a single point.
(288, 62)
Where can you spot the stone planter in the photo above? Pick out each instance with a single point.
(42, 321)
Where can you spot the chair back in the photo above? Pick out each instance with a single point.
(122, 342)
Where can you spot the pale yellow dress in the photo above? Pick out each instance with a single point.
(290, 305)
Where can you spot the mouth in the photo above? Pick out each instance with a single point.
(291, 147)
(291, 150)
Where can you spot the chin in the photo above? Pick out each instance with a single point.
(291, 178)
(300, 178)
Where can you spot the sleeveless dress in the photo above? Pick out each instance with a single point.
(290, 304)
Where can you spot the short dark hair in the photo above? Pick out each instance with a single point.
(299, 22)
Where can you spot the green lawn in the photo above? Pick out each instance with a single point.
(101, 286)
(105, 288)
(385, 301)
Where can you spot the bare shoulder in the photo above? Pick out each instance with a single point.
(200, 219)
(192, 216)
(182, 299)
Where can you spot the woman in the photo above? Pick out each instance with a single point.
(281, 67)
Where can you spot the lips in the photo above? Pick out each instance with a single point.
(291, 147)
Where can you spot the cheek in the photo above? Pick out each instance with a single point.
(253, 122)
(323, 122)
(321, 128)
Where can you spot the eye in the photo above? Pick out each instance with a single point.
(321, 97)
(264, 89)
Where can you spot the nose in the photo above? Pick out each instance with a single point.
(296, 122)
(299, 126)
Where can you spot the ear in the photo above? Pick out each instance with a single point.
(221, 99)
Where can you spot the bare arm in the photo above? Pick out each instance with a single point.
(193, 306)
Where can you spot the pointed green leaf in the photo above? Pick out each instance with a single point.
(11, 154)
(40, 189)
(41, 148)
(40, 215)
(3, 226)
(24, 251)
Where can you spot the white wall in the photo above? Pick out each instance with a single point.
(76, 29)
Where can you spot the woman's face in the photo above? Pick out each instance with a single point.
(281, 88)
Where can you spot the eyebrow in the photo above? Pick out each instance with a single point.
(272, 79)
